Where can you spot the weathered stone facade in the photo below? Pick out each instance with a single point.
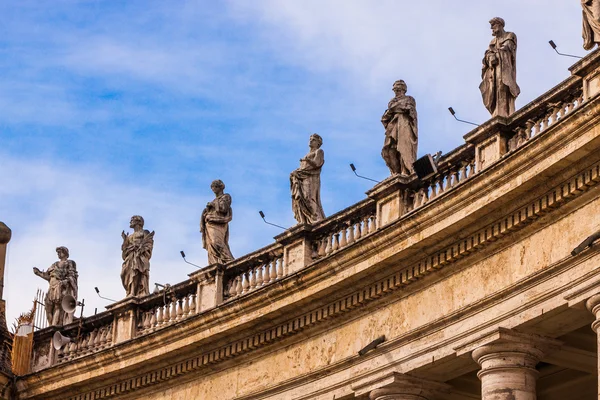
(469, 277)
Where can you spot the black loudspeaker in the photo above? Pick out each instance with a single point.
(425, 167)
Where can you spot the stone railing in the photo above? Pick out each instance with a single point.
(550, 109)
(92, 335)
(343, 229)
(254, 271)
(170, 305)
(454, 169)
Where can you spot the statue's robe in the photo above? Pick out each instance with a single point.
(305, 187)
(591, 23)
(499, 88)
(214, 226)
(401, 135)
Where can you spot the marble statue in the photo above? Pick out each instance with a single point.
(591, 23)
(137, 251)
(305, 184)
(214, 225)
(62, 278)
(401, 131)
(499, 87)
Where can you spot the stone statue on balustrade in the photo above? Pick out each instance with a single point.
(62, 278)
(214, 225)
(591, 23)
(401, 131)
(136, 252)
(499, 88)
(305, 184)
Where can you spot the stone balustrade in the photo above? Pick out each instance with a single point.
(254, 271)
(174, 303)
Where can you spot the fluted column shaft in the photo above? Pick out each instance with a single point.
(593, 304)
(508, 371)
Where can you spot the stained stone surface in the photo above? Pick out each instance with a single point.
(136, 252)
(499, 87)
(305, 184)
(401, 131)
(62, 279)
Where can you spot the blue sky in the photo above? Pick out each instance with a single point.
(115, 108)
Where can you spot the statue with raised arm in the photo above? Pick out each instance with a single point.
(214, 225)
(499, 88)
(137, 251)
(401, 131)
(591, 23)
(305, 184)
(62, 277)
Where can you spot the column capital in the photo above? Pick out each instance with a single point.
(398, 386)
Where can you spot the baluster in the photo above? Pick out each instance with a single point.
(343, 239)
(373, 224)
(252, 273)
(104, 337)
(160, 318)
(472, 169)
(167, 314)
(351, 233)
(557, 108)
(328, 249)
(273, 270)
(173, 312)
(259, 276)
(186, 306)
(566, 108)
(433, 191)
(441, 184)
(72, 348)
(97, 338)
(145, 321)
(366, 229)
(193, 304)
(179, 305)
(153, 319)
(358, 230)
(580, 100)
(279, 268)
(239, 288)
(109, 336)
(245, 283)
(336, 242)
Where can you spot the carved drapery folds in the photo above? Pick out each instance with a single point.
(499, 88)
(214, 225)
(401, 131)
(62, 279)
(305, 184)
(136, 252)
(591, 23)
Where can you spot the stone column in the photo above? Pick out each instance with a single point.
(593, 304)
(508, 360)
(508, 371)
(397, 386)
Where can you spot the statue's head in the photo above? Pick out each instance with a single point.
(217, 186)
(315, 140)
(497, 24)
(136, 220)
(62, 252)
(399, 87)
